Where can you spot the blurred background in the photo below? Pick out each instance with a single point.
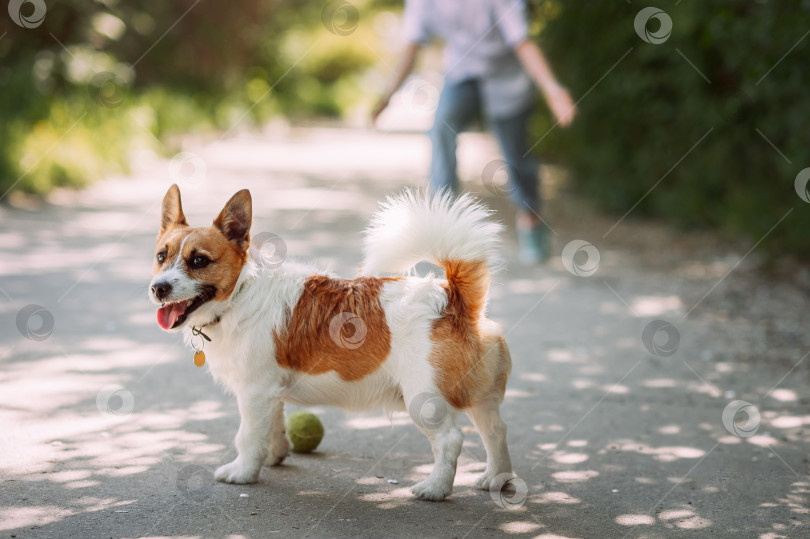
(105, 84)
(685, 173)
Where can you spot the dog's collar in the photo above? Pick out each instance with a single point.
(199, 355)
(199, 330)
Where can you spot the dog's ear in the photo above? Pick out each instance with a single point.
(235, 219)
(172, 212)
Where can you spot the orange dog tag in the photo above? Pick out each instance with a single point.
(199, 358)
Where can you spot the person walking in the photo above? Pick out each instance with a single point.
(489, 63)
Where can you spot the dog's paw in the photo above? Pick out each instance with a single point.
(485, 481)
(279, 450)
(237, 472)
(275, 460)
(433, 491)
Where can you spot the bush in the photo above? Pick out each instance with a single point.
(649, 114)
(96, 82)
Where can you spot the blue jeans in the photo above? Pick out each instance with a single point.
(458, 105)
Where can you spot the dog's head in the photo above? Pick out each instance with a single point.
(196, 268)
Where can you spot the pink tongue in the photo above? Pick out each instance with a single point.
(168, 314)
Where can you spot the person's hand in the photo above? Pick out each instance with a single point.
(381, 105)
(561, 104)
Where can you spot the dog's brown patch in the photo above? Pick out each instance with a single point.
(337, 325)
(470, 358)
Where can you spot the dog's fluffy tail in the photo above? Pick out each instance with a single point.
(455, 233)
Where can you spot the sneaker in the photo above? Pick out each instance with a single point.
(533, 245)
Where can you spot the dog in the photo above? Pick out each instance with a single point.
(285, 332)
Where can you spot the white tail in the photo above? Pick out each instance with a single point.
(439, 228)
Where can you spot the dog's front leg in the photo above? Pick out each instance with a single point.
(279, 443)
(258, 410)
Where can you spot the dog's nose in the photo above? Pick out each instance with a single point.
(161, 290)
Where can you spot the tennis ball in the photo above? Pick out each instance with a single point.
(305, 431)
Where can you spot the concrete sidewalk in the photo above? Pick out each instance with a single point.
(617, 423)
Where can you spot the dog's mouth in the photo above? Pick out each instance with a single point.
(173, 315)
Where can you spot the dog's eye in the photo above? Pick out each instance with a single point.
(200, 262)
(161, 257)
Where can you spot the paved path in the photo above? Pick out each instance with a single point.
(108, 429)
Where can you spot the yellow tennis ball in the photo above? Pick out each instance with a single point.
(305, 431)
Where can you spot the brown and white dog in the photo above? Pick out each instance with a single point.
(287, 332)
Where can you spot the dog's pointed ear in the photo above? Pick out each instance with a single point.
(172, 211)
(235, 219)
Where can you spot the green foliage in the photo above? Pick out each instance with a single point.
(646, 115)
(101, 80)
